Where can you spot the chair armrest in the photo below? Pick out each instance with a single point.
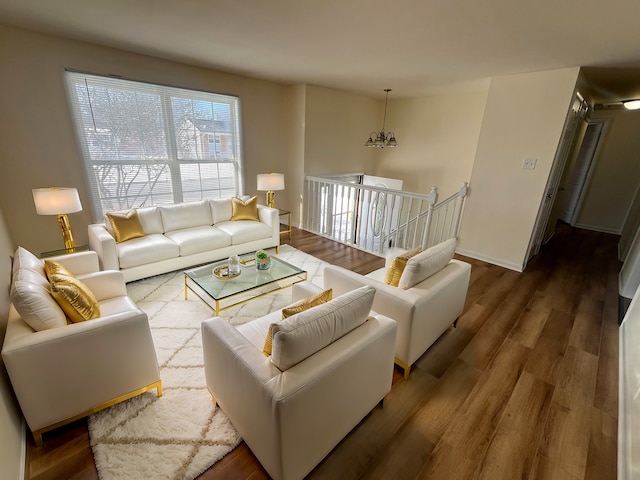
(79, 263)
(303, 290)
(391, 301)
(103, 243)
(105, 284)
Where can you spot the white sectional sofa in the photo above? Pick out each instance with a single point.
(182, 235)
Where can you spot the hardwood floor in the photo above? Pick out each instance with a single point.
(525, 387)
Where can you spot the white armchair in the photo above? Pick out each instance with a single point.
(291, 418)
(68, 371)
(423, 312)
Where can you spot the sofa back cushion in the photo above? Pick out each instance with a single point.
(424, 264)
(220, 209)
(151, 220)
(308, 332)
(185, 215)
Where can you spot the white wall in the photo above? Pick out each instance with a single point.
(437, 138)
(524, 117)
(615, 176)
(11, 431)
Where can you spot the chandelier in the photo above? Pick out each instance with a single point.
(382, 139)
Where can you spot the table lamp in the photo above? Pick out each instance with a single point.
(58, 201)
(270, 182)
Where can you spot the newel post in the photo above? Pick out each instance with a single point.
(432, 199)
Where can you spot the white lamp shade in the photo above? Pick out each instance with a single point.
(56, 200)
(270, 181)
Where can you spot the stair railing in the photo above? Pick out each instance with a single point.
(374, 218)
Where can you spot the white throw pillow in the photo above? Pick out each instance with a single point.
(221, 210)
(308, 332)
(36, 306)
(423, 265)
(23, 258)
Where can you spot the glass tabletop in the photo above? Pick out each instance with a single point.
(251, 282)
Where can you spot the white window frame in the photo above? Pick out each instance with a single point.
(157, 179)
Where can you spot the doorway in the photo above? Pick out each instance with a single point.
(577, 179)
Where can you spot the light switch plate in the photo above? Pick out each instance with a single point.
(529, 163)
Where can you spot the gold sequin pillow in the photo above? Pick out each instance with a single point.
(244, 210)
(301, 306)
(125, 225)
(74, 297)
(394, 272)
(55, 268)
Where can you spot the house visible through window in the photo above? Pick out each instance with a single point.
(146, 144)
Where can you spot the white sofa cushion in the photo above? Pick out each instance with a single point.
(36, 306)
(305, 333)
(199, 239)
(185, 215)
(423, 265)
(221, 210)
(244, 231)
(150, 219)
(147, 249)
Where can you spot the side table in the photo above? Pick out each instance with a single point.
(64, 251)
(282, 213)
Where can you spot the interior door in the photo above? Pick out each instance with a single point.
(575, 184)
(544, 229)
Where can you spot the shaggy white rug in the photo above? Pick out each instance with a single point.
(179, 435)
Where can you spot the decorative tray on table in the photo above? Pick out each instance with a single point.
(222, 272)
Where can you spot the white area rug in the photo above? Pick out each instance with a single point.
(179, 435)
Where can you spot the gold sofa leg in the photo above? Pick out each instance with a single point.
(405, 367)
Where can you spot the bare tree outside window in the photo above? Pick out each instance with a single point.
(146, 144)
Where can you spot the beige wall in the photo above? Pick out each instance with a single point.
(437, 137)
(37, 142)
(524, 117)
(11, 430)
(615, 176)
(336, 127)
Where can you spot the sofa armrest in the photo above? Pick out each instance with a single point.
(80, 263)
(271, 217)
(105, 284)
(61, 372)
(103, 243)
(268, 215)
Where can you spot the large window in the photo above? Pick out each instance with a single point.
(146, 144)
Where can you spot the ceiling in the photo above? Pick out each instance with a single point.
(415, 47)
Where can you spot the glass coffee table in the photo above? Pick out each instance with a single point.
(223, 293)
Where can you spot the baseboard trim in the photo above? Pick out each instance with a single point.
(485, 258)
(595, 228)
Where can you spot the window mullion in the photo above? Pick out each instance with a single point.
(172, 148)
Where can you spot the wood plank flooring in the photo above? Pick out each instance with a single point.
(525, 387)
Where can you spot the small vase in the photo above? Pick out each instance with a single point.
(262, 262)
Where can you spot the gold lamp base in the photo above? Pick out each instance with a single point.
(67, 235)
(270, 202)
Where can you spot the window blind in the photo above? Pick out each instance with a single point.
(146, 144)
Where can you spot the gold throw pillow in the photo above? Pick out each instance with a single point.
(301, 306)
(52, 267)
(75, 298)
(125, 225)
(394, 272)
(244, 210)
